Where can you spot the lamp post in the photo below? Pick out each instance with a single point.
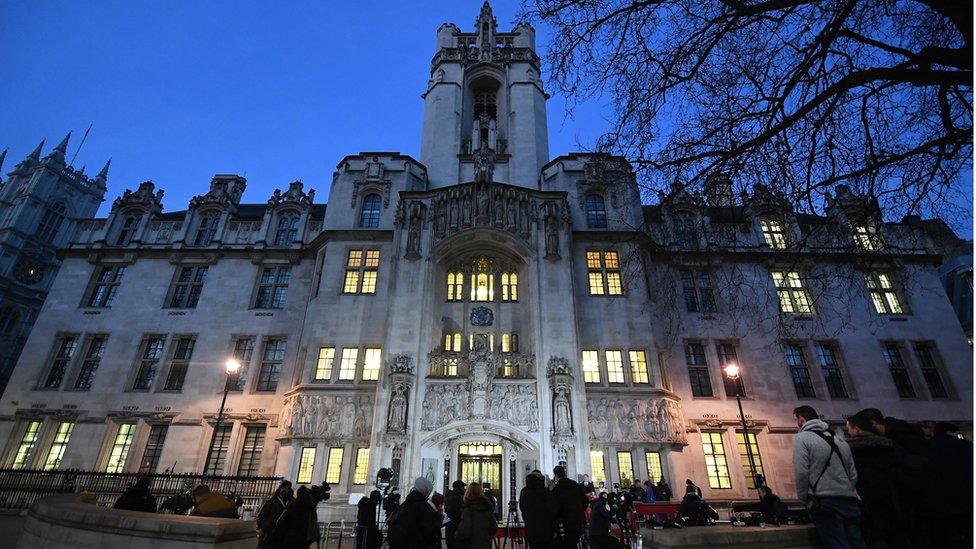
(733, 373)
(232, 367)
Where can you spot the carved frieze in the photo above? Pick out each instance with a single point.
(515, 404)
(635, 420)
(328, 417)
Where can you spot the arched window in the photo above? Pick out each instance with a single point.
(596, 212)
(207, 229)
(510, 286)
(127, 230)
(485, 103)
(482, 281)
(455, 286)
(287, 230)
(369, 218)
(50, 224)
(8, 320)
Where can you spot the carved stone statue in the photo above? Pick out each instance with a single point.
(413, 232)
(552, 232)
(561, 416)
(397, 419)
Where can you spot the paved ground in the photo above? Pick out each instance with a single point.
(10, 529)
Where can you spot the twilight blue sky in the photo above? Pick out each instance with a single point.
(179, 91)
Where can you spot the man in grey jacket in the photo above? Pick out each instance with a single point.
(825, 480)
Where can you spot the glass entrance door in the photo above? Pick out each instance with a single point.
(481, 462)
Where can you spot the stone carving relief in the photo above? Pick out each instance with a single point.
(333, 418)
(557, 365)
(401, 380)
(515, 404)
(482, 316)
(143, 198)
(620, 420)
(294, 196)
(482, 204)
(414, 226)
(552, 226)
(562, 417)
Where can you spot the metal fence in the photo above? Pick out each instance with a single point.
(20, 488)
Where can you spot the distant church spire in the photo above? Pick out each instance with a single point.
(486, 25)
(36, 155)
(102, 176)
(3, 156)
(60, 150)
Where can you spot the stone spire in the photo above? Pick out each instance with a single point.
(36, 155)
(3, 156)
(102, 176)
(486, 25)
(59, 152)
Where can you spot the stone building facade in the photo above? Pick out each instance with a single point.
(41, 202)
(479, 313)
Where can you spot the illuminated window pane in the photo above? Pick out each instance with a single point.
(596, 283)
(598, 469)
(614, 286)
(593, 260)
(625, 464)
(716, 464)
(591, 367)
(372, 258)
(792, 295)
(371, 365)
(655, 471)
(362, 462)
(482, 287)
(883, 294)
(369, 282)
(615, 367)
(334, 467)
(306, 466)
(867, 238)
(60, 442)
(611, 260)
(773, 233)
(323, 367)
(351, 284)
(455, 286)
(509, 287)
(638, 367)
(120, 448)
(355, 258)
(26, 445)
(506, 343)
(744, 458)
(347, 365)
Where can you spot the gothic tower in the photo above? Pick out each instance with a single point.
(484, 108)
(41, 204)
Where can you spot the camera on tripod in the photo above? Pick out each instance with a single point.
(321, 493)
(513, 506)
(384, 477)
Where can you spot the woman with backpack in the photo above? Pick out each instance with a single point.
(478, 526)
(298, 525)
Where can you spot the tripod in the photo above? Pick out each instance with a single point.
(512, 524)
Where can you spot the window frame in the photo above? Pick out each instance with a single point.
(118, 450)
(286, 229)
(90, 364)
(269, 369)
(25, 449)
(898, 369)
(373, 221)
(602, 477)
(59, 364)
(639, 372)
(692, 287)
(252, 450)
(148, 367)
(58, 445)
(867, 237)
(836, 365)
(586, 366)
(725, 357)
(361, 275)
(794, 297)
(306, 467)
(271, 294)
(220, 438)
(604, 276)
(153, 449)
(773, 233)
(335, 454)
(753, 444)
(797, 366)
(205, 233)
(104, 286)
(615, 376)
(180, 357)
(884, 293)
(50, 223)
(244, 356)
(717, 461)
(698, 371)
(932, 366)
(658, 464)
(595, 211)
(360, 467)
(185, 294)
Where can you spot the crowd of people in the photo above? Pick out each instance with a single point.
(887, 484)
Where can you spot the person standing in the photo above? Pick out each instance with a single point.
(569, 506)
(691, 488)
(826, 480)
(270, 512)
(453, 505)
(137, 497)
(601, 517)
(477, 527)
(416, 525)
(663, 491)
(211, 504)
(535, 502)
(367, 533)
(298, 525)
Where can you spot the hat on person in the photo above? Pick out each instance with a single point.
(423, 486)
(200, 490)
(458, 484)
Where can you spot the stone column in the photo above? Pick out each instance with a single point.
(560, 383)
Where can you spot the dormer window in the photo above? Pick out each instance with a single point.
(207, 230)
(50, 224)
(596, 212)
(867, 238)
(287, 230)
(127, 230)
(369, 218)
(685, 234)
(772, 231)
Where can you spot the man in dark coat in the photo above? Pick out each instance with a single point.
(535, 502)
(270, 513)
(601, 517)
(137, 497)
(662, 491)
(884, 514)
(367, 534)
(416, 525)
(569, 507)
(955, 458)
(453, 503)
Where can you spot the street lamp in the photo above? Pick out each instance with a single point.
(233, 368)
(732, 372)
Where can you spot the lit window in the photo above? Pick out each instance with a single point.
(120, 448)
(50, 224)
(271, 359)
(371, 365)
(452, 342)
(323, 367)
(727, 355)
(152, 353)
(697, 287)
(347, 364)
(883, 294)
(744, 458)
(207, 230)
(180, 364)
(126, 231)
(154, 448)
(596, 212)
(334, 467)
(716, 465)
(455, 286)
(625, 464)
(509, 286)
(701, 384)
(287, 230)
(273, 288)
(243, 349)
(251, 452)
(218, 457)
(66, 346)
(867, 238)
(829, 365)
(93, 358)
(773, 233)
(603, 272)
(927, 359)
(306, 465)
(362, 463)
(510, 343)
(187, 287)
(361, 272)
(655, 471)
(369, 218)
(482, 281)
(899, 372)
(591, 367)
(638, 367)
(799, 372)
(26, 445)
(793, 296)
(598, 472)
(105, 286)
(615, 366)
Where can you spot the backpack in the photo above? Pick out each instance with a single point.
(396, 530)
(829, 439)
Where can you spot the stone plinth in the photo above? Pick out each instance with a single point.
(741, 537)
(64, 521)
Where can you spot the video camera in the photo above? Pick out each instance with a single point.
(321, 492)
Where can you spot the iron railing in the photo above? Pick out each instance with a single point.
(20, 488)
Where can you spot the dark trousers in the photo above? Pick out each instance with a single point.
(837, 521)
(569, 540)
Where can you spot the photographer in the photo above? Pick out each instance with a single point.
(602, 515)
(367, 534)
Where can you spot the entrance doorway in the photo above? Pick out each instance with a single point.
(481, 462)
